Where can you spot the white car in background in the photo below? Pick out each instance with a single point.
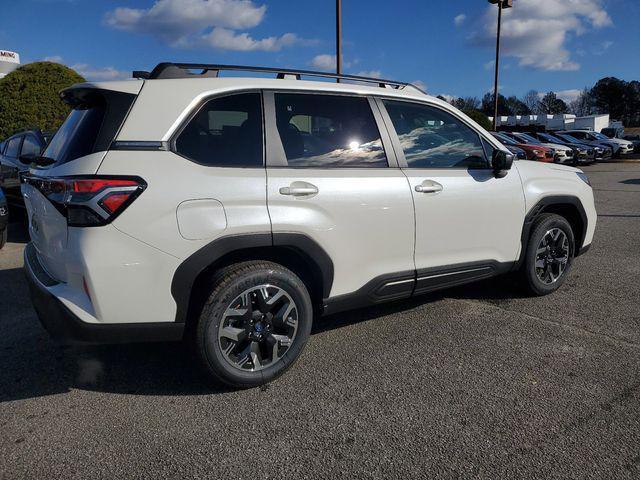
(619, 146)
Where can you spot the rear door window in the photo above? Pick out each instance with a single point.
(225, 132)
(328, 131)
(13, 147)
(30, 146)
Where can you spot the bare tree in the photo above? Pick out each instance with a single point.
(532, 100)
(584, 104)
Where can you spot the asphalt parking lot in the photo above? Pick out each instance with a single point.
(473, 382)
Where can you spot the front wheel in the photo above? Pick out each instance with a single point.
(549, 254)
(254, 324)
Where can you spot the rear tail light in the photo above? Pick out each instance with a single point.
(89, 201)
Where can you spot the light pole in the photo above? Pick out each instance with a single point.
(339, 38)
(501, 4)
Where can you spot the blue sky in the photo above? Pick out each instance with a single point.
(447, 45)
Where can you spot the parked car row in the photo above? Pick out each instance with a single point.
(569, 147)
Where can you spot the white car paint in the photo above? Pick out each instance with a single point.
(370, 221)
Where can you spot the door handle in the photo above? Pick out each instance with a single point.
(429, 186)
(299, 189)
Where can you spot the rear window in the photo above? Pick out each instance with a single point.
(92, 124)
(76, 136)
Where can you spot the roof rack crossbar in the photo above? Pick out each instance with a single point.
(184, 70)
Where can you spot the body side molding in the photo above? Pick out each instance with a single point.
(402, 285)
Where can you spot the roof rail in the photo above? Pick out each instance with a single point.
(184, 70)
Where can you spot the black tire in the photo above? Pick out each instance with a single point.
(3, 237)
(228, 284)
(530, 273)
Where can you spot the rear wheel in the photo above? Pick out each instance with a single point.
(254, 324)
(549, 254)
(3, 237)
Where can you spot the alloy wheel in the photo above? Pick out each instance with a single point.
(258, 327)
(552, 256)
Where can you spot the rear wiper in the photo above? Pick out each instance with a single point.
(37, 159)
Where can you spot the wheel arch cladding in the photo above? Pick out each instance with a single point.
(567, 206)
(297, 252)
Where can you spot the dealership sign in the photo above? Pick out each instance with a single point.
(9, 61)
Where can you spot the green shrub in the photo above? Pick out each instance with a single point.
(480, 118)
(30, 97)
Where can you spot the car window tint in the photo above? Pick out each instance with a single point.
(13, 147)
(433, 138)
(328, 131)
(77, 135)
(30, 146)
(226, 132)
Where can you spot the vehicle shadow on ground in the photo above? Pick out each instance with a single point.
(631, 181)
(34, 366)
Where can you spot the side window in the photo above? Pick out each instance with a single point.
(578, 135)
(13, 147)
(328, 131)
(433, 138)
(30, 146)
(226, 132)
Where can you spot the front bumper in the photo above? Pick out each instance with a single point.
(65, 327)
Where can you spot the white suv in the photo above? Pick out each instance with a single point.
(230, 211)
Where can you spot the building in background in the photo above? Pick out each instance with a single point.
(9, 61)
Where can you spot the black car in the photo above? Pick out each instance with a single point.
(28, 143)
(4, 219)
(583, 153)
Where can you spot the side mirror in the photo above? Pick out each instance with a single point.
(27, 159)
(501, 163)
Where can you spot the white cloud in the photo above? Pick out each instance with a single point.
(324, 62)
(225, 39)
(213, 23)
(327, 61)
(568, 95)
(369, 73)
(489, 65)
(92, 73)
(536, 31)
(459, 19)
(98, 74)
(420, 84)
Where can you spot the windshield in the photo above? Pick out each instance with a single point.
(568, 138)
(76, 136)
(504, 139)
(527, 138)
(551, 138)
(599, 136)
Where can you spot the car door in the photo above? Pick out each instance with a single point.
(468, 222)
(332, 177)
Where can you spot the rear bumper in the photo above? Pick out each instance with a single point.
(65, 327)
